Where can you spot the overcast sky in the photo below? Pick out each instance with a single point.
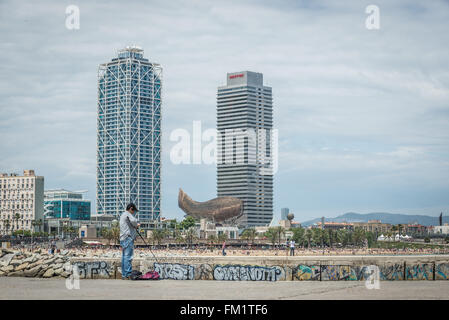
(363, 115)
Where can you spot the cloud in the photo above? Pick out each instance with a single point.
(352, 105)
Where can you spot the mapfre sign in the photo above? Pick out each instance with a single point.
(240, 75)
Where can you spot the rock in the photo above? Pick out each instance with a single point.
(23, 266)
(6, 259)
(57, 266)
(65, 274)
(15, 262)
(29, 259)
(64, 252)
(49, 261)
(49, 273)
(59, 260)
(32, 272)
(36, 263)
(8, 269)
(2, 274)
(16, 274)
(41, 273)
(59, 271)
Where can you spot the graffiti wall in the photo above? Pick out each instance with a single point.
(442, 271)
(248, 273)
(304, 272)
(392, 272)
(419, 272)
(175, 271)
(333, 273)
(204, 272)
(94, 269)
(237, 272)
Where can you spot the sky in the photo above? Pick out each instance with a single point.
(362, 114)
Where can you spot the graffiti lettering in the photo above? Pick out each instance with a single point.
(175, 271)
(94, 269)
(248, 273)
(419, 272)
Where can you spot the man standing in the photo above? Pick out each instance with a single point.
(128, 226)
(292, 247)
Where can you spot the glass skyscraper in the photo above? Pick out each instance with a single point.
(129, 135)
(284, 213)
(244, 153)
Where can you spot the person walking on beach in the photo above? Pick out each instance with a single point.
(292, 247)
(223, 248)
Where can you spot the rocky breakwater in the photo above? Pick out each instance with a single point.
(38, 264)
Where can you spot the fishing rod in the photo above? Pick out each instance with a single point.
(137, 230)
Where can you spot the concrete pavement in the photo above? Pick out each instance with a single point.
(35, 288)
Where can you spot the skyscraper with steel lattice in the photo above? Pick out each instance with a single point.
(244, 145)
(129, 135)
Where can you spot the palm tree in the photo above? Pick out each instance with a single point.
(359, 236)
(249, 235)
(299, 235)
(222, 237)
(7, 225)
(280, 232)
(400, 227)
(107, 234)
(394, 228)
(39, 224)
(316, 235)
(65, 229)
(179, 238)
(115, 234)
(158, 235)
(33, 223)
(212, 238)
(272, 235)
(191, 235)
(17, 218)
(309, 235)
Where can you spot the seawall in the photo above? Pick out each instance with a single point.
(275, 268)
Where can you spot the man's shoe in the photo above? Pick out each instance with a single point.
(126, 278)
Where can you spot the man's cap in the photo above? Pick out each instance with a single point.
(131, 206)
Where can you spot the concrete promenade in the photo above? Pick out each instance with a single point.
(55, 288)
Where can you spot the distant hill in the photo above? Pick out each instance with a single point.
(392, 218)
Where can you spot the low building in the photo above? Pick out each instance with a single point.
(21, 201)
(58, 225)
(231, 232)
(60, 203)
(207, 229)
(416, 229)
(334, 225)
(261, 230)
(374, 226)
(88, 231)
(441, 229)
